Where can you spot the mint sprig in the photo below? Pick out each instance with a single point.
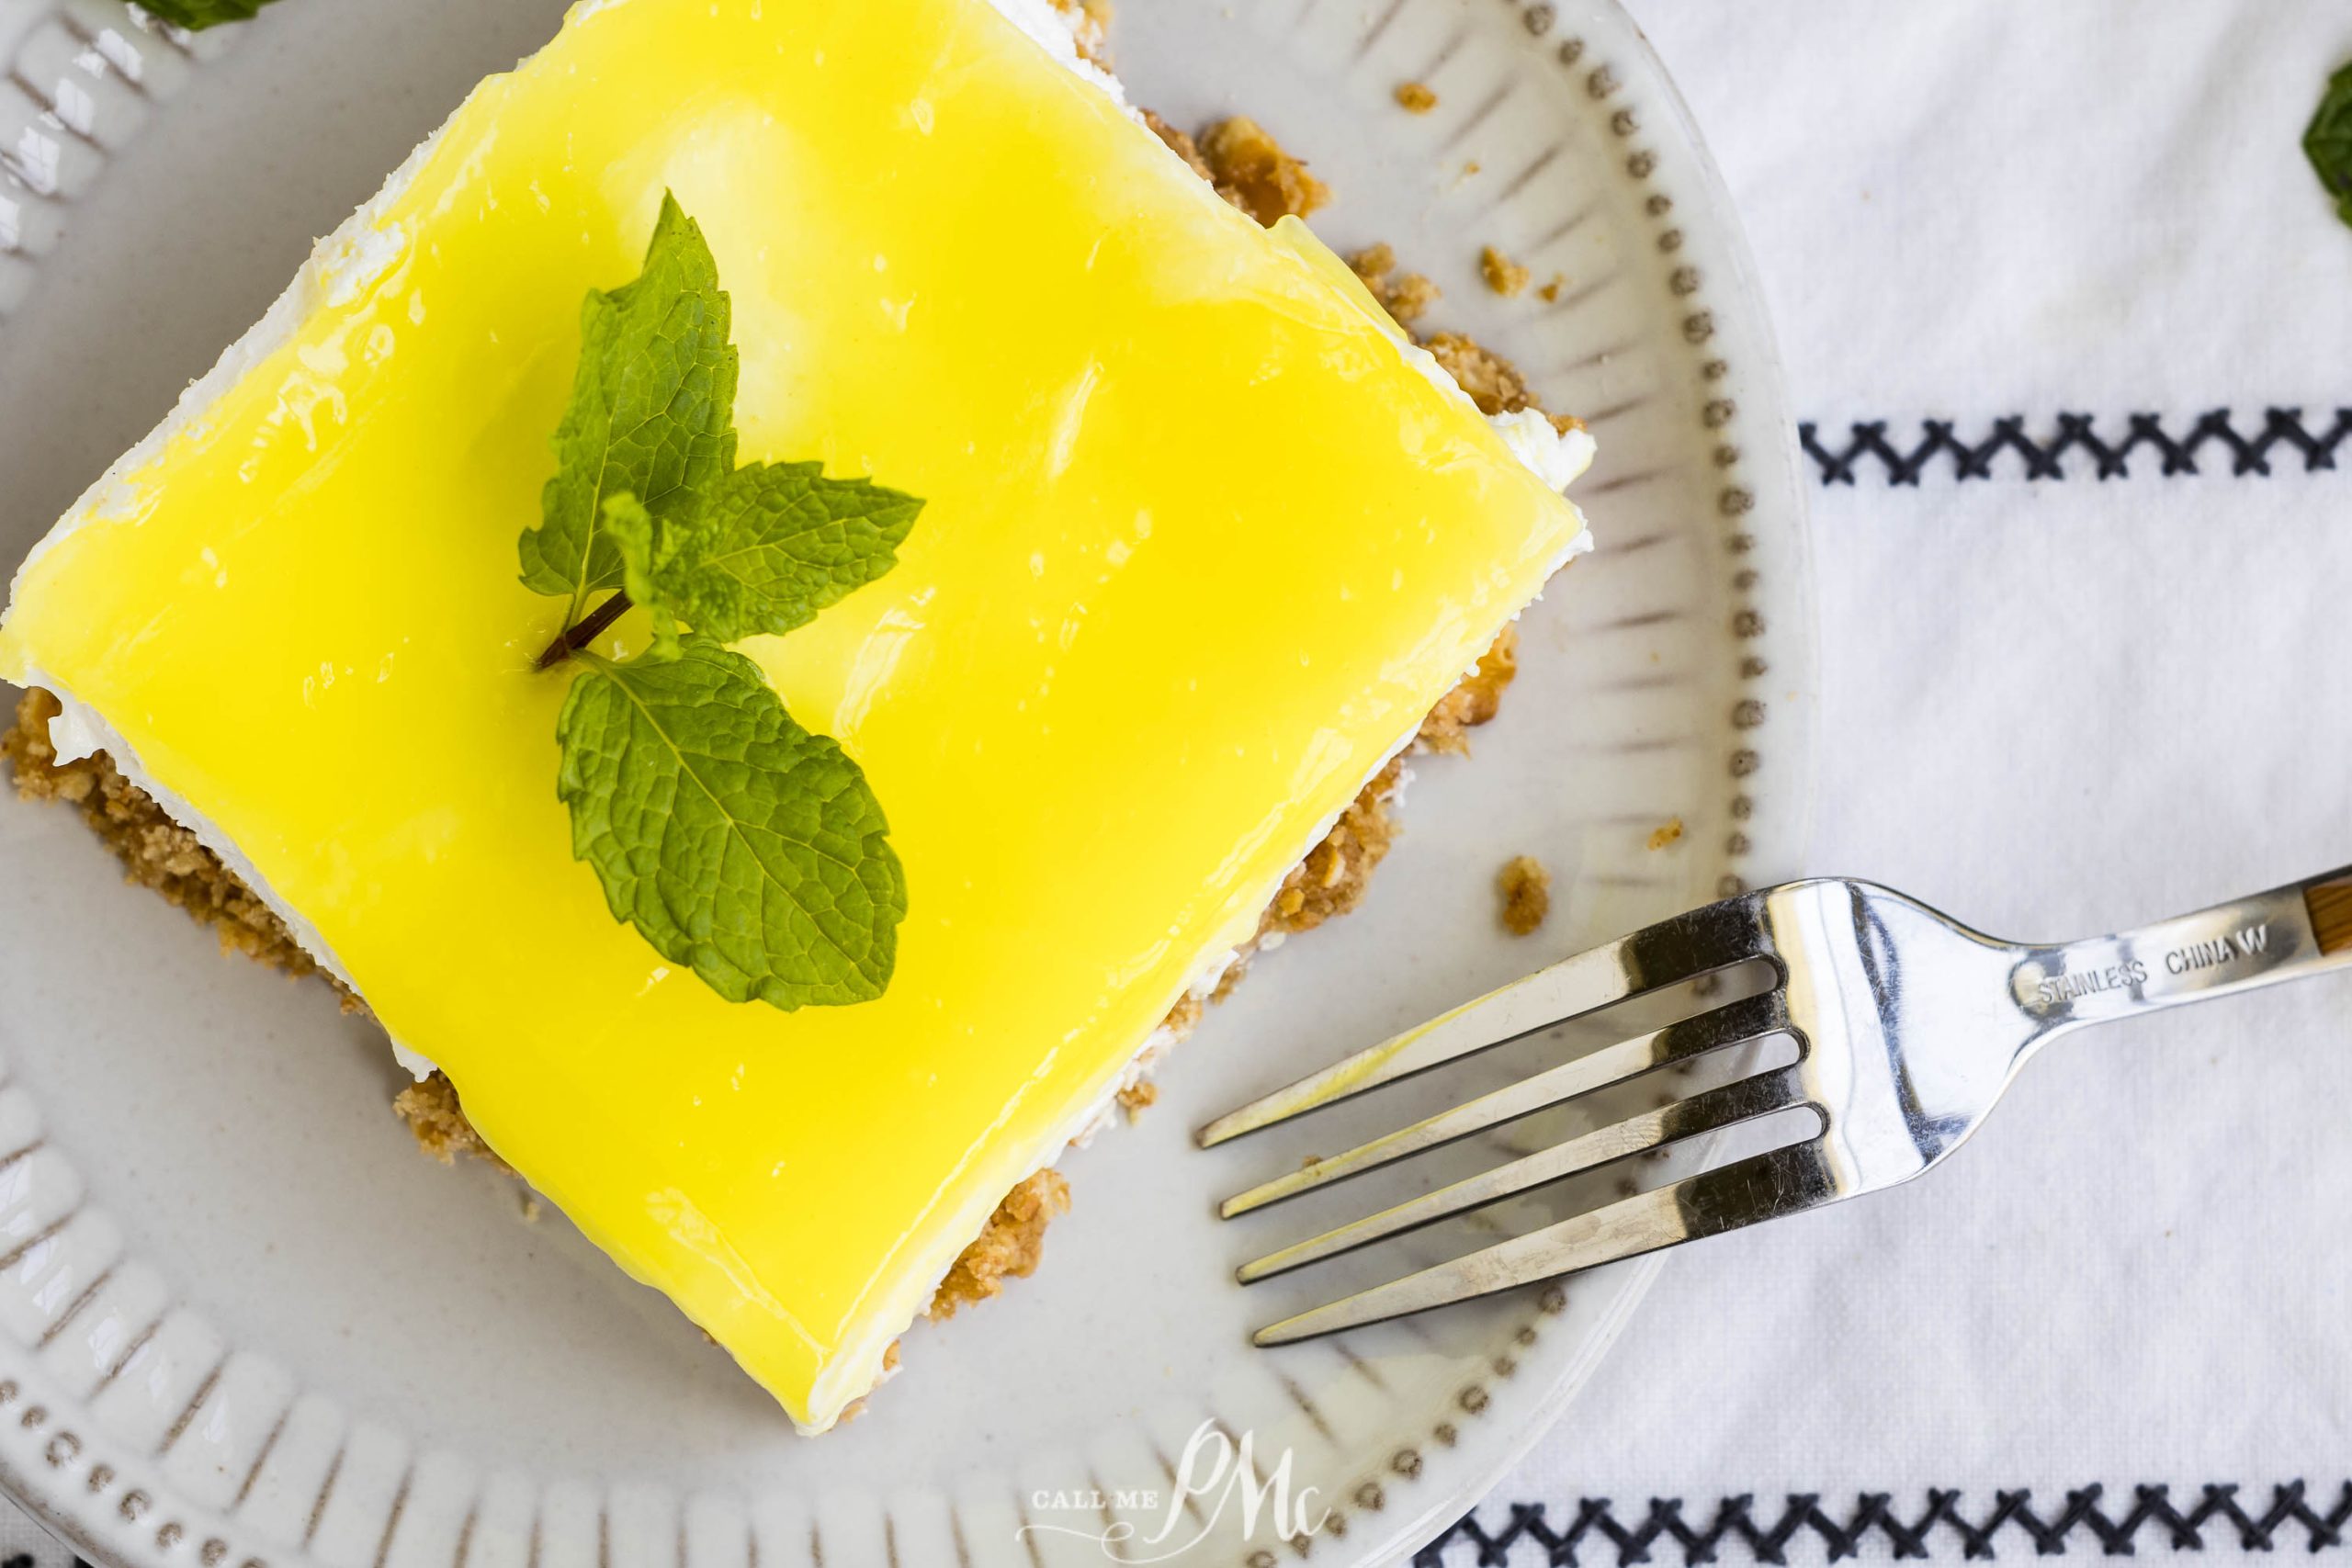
(735, 841)
(2328, 141)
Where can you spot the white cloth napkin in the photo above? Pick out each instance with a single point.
(2051, 706)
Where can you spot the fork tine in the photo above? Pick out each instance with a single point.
(1707, 1113)
(1731, 1024)
(1676, 948)
(1761, 1187)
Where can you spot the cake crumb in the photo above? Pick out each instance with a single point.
(1475, 701)
(1332, 878)
(1526, 888)
(1089, 28)
(1405, 295)
(1550, 292)
(1094, 39)
(1416, 97)
(430, 1107)
(1503, 275)
(1250, 170)
(1180, 143)
(531, 1207)
(1010, 1247)
(1668, 833)
(1492, 381)
(1137, 1097)
(1182, 1018)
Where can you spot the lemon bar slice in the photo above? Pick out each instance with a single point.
(1203, 540)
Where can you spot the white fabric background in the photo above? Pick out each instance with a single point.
(2051, 708)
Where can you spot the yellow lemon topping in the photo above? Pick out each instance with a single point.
(1200, 548)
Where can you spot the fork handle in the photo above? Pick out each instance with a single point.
(2283, 934)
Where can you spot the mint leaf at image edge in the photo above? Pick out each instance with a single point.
(737, 842)
(651, 412)
(198, 14)
(2328, 141)
(762, 551)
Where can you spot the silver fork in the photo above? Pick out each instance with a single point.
(1907, 1027)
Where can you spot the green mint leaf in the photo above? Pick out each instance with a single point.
(652, 409)
(733, 840)
(198, 14)
(762, 551)
(2328, 142)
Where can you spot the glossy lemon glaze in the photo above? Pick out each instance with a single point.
(1200, 548)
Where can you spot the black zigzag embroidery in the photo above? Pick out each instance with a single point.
(2282, 435)
(1597, 1535)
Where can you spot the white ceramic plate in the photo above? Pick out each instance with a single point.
(241, 1322)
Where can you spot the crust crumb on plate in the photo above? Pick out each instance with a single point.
(1249, 168)
(1503, 275)
(1526, 888)
(1252, 170)
(1407, 295)
(1668, 833)
(1416, 97)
